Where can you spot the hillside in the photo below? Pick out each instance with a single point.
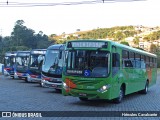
(132, 34)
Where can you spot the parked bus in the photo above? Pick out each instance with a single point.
(52, 67)
(21, 66)
(101, 69)
(35, 65)
(9, 62)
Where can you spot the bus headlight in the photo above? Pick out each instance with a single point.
(104, 88)
(28, 76)
(65, 86)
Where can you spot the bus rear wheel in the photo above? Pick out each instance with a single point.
(121, 96)
(145, 90)
(83, 99)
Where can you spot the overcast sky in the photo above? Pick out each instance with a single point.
(57, 19)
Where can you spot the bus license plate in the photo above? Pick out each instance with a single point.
(82, 94)
(55, 86)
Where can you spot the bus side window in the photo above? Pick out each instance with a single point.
(125, 56)
(151, 62)
(155, 62)
(138, 60)
(115, 63)
(128, 63)
(147, 62)
(143, 65)
(132, 59)
(155, 65)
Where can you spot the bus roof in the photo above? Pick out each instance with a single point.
(56, 47)
(125, 47)
(134, 49)
(23, 53)
(38, 51)
(13, 53)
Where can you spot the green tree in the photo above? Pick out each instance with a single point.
(153, 48)
(42, 40)
(23, 38)
(119, 36)
(124, 43)
(136, 40)
(139, 48)
(22, 35)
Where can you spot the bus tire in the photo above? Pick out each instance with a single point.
(121, 95)
(58, 90)
(83, 99)
(26, 80)
(145, 90)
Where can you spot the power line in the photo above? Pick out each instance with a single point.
(18, 4)
(21, 4)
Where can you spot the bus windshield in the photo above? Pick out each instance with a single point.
(52, 64)
(87, 63)
(22, 62)
(35, 61)
(9, 61)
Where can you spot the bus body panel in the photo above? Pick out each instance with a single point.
(21, 66)
(51, 75)
(9, 63)
(35, 64)
(132, 73)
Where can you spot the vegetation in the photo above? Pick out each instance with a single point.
(23, 38)
(125, 43)
(152, 36)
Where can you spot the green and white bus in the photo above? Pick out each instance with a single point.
(103, 69)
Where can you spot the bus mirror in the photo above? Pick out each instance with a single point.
(60, 55)
(105, 45)
(69, 45)
(14, 60)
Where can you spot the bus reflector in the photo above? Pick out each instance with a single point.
(33, 76)
(47, 78)
(7, 68)
(70, 84)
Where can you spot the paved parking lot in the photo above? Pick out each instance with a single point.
(16, 95)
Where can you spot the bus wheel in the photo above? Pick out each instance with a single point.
(145, 91)
(58, 90)
(83, 99)
(120, 97)
(26, 80)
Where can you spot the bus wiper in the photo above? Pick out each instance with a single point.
(98, 49)
(55, 64)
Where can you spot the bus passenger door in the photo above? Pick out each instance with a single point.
(115, 75)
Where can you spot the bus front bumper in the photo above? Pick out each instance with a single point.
(20, 75)
(6, 73)
(48, 84)
(33, 79)
(90, 94)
